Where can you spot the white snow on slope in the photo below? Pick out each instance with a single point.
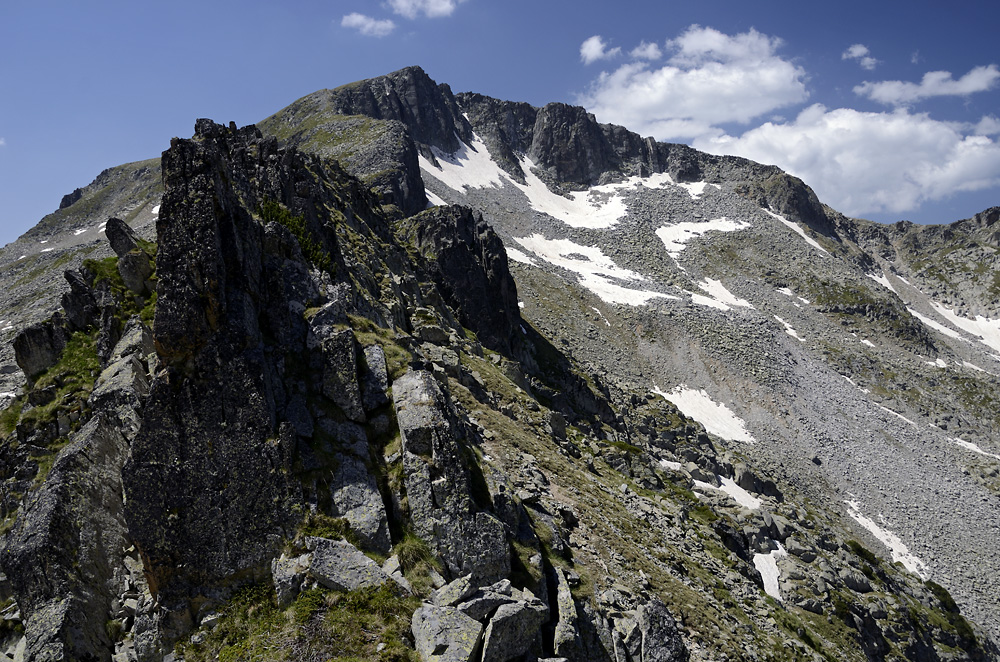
(77, 233)
(519, 256)
(696, 189)
(939, 363)
(899, 416)
(795, 228)
(883, 281)
(596, 270)
(676, 235)
(596, 208)
(937, 326)
(899, 551)
(434, 200)
(865, 341)
(969, 446)
(719, 297)
(737, 493)
(716, 417)
(470, 166)
(973, 366)
(767, 566)
(789, 330)
(986, 329)
(156, 210)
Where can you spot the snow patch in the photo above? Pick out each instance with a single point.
(77, 233)
(900, 416)
(865, 341)
(787, 292)
(719, 297)
(940, 363)
(434, 200)
(767, 566)
(672, 466)
(969, 446)
(676, 235)
(47, 250)
(795, 228)
(156, 210)
(596, 270)
(897, 549)
(519, 256)
(789, 330)
(973, 366)
(940, 328)
(985, 329)
(469, 167)
(716, 417)
(596, 310)
(694, 189)
(883, 281)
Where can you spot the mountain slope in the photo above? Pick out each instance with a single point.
(620, 400)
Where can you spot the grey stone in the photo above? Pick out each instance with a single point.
(661, 641)
(38, 347)
(122, 237)
(340, 373)
(137, 338)
(855, 581)
(287, 575)
(454, 592)
(339, 565)
(444, 634)
(513, 630)
(375, 379)
(135, 268)
(355, 493)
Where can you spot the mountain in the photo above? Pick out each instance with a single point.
(404, 374)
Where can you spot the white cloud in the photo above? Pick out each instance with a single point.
(594, 49)
(2, 142)
(933, 84)
(711, 78)
(862, 162)
(367, 25)
(429, 8)
(860, 53)
(646, 51)
(988, 126)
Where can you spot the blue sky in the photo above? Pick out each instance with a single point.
(889, 110)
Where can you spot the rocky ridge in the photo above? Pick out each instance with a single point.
(327, 372)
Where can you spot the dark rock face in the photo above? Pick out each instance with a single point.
(411, 97)
(123, 238)
(206, 493)
(569, 142)
(468, 263)
(62, 554)
(71, 198)
(79, 303)
(38, 347)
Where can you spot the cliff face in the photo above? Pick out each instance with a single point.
(311, 421)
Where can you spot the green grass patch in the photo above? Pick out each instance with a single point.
(312, 249)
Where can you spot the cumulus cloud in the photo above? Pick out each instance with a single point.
(646, 51)
(711, 78)
(429, 8)
(367, 25)
(860, 53)
(933, 84)
(594, 49)
(862, 162)
(988, 126)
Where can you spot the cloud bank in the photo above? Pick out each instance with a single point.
(862, 162)
(858, 162)
(368, 26)
(429, 8)
(710, 79)
(934, 84)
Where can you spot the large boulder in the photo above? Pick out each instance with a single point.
(339, 565)
(661, 641)
(38, 347)
(438, 484)
(514, 630)
(444, 634)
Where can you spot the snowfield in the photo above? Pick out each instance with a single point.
(899, 551)
(797, 230)
(597, 271)
(676, 235)
(767, 566)
(717, 418)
